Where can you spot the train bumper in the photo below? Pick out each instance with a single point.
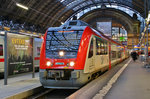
(76, 80)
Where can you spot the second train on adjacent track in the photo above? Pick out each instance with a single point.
(75, 53)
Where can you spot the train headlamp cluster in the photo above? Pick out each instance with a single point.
(71, 63)
(61, 53)
(49, 63)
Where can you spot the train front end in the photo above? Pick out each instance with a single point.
(59, 57)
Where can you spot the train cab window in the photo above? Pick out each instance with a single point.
(1, 50)
(91, 49)
(68, 41)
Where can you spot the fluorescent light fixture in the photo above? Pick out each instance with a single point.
(22, 6)
(62, 0)
(2, 32)
(148, 17)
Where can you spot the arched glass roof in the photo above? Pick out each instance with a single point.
(47, 13)
(124, 9)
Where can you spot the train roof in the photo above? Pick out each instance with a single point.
(104, 36)
(79, 25)
(74, 23)
(70, 25)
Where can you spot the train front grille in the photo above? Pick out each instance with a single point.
(59, 74)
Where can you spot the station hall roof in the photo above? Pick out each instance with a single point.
(52, 12)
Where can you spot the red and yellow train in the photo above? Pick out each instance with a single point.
(74, 53)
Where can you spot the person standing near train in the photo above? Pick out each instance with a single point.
(134, 55)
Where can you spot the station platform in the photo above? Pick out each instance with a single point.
(133, 83)
(19, 86)
(128, 80)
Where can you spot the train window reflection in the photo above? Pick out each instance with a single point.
(98, 47)
(61, 40)
(1, 50)
(113, 55)
(101, 46)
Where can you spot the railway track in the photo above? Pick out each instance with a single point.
(53, 94)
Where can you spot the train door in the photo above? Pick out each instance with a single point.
(101, 58)
(1, 54)
(90, 63)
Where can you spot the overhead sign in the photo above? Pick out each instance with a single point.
(122, 38)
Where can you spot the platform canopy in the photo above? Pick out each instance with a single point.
(52, 12)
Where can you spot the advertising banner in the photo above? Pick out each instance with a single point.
(20, 54)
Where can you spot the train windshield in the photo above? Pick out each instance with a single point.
(66, 41)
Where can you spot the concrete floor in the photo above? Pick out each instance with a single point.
(17, 85)
(133, 83)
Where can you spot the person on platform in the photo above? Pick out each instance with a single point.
(134, 55)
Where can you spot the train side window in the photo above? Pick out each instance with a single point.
(113, 55)
(118, 54)
(102, 48)
(105, 47)
(98, 47)
(91, 49)
(1, 50)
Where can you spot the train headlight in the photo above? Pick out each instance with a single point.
(49, 63)
(71, 64)
(61, 53)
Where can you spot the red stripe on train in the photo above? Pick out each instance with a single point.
(36, 58)
(2, 59)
